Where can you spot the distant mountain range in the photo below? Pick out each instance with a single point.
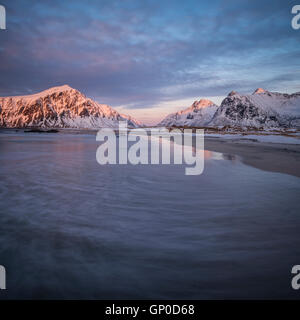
(59, 107)
(65, 107)
(262, 109)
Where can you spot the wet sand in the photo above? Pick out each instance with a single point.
(274, 157)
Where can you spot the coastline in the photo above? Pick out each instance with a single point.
(267, 156)
(273, 157)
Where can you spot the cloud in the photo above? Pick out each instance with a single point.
(141, 53)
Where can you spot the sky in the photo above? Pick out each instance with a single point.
(148, 58)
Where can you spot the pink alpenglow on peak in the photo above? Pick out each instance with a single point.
(202, 103)
(199, 114)
(259, 90)
(59, 107)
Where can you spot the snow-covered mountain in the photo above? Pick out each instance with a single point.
(59, 107)
(198, 114)
(262, 109)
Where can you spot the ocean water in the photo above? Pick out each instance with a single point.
(72, 229)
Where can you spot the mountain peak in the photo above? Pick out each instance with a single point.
(58, 107)
(262, 109)
(259, 90)
(198, 114)
(232, 93)
(202, 103)
(62, 88)
(44, 93)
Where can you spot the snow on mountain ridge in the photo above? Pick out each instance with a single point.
(43, 93)
(262, 109)
(198, 114)
(259, 90)
(202, 103)
(59, 107)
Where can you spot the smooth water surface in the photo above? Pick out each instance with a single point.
(70, 228)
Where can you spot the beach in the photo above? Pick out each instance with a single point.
(268, 156)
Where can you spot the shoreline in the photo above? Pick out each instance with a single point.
(272, 157)
(267, 156)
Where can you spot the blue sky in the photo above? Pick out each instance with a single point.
(149, 57)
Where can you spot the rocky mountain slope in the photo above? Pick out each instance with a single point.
(198, 114)
(59, 107)
(262, 109)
